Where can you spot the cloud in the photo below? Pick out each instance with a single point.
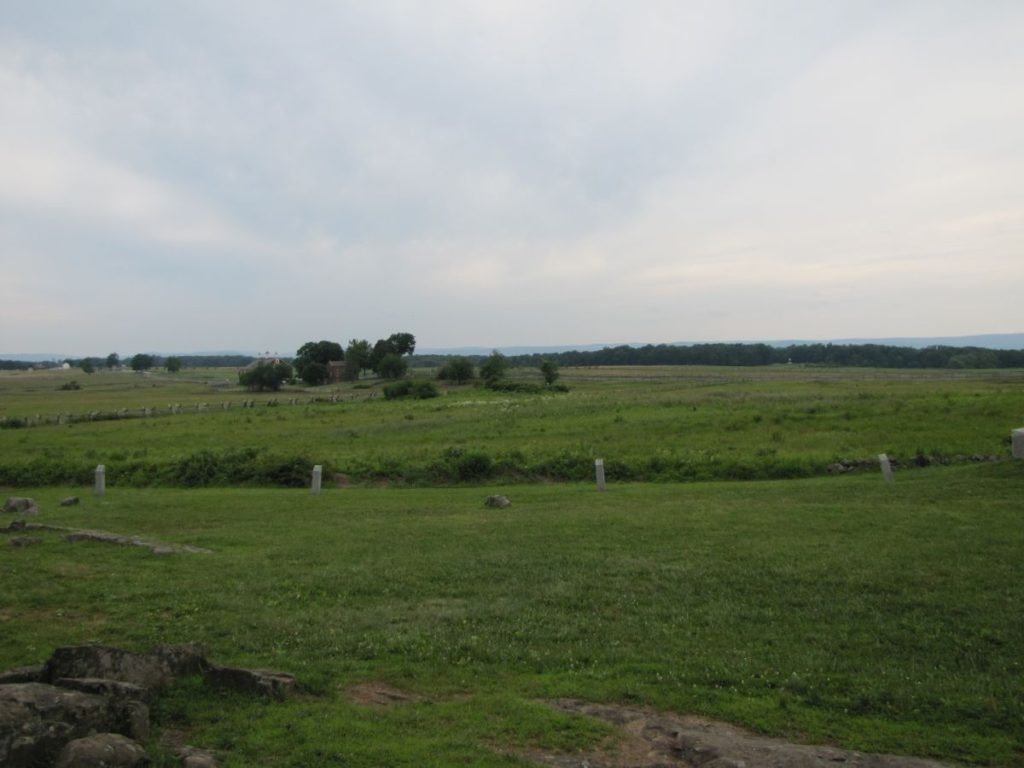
(520, 172)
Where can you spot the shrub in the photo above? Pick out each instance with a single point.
(69, 386)
(421, 390)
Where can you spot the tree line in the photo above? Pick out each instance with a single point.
(845, 355)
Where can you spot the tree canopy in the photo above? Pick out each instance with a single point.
(265, 375)
(312, 358)
(141, 362)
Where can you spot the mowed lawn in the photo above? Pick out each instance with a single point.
(881, 617)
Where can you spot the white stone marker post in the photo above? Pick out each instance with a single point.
(1018, 443)
(599, 470)
(101, 480)
(317, 473)
(883, 461)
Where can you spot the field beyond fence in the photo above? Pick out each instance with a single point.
(648, 424)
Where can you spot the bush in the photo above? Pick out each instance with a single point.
(71, 385)
(397, 390)
(420, 390)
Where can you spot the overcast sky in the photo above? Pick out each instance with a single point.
(249, 175)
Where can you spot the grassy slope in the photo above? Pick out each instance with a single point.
(880, 617)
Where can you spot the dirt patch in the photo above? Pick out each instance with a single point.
(379, 695)
(663, 740)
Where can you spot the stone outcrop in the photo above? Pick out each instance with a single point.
(104, 750)
(88, 706)
(21, 505)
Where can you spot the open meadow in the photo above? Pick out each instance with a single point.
(748, 584)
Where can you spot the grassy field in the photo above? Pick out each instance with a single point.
(669, 424)
(883, 617)
(839, 609)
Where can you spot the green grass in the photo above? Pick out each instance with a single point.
(882, 617)
(667, 424)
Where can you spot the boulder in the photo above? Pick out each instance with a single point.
(104, 750)
(498, 502)
(21, 505)
(194, 757)
(37, 719)
(18, 504)
(69, 501)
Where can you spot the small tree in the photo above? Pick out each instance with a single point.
(392, 366)
(457, 369)
(549, 370)
(113, 360)
(172, 364)
(88, 366)
(494, 367)
(141, 362)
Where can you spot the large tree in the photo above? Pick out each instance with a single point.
(357, 358)
(142, 362)
(396, 344)
(312, 358)
(113, 360)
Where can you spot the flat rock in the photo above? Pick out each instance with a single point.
(69, 501)
(182, 660)
(261, 682)
(104, 750)
(498, 502)
(660, 740)
(99, 661)
(30, 674)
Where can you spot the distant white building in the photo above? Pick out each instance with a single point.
(65, 366)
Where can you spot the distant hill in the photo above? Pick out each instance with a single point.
(985, 341)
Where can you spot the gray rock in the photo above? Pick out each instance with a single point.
(19, 504)
(31, 674)
(104, 750)
(498, 502)
(69, 501)
(261, 682)
(147, 672)
(36, 720)
(194, 757)
(182, 660)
